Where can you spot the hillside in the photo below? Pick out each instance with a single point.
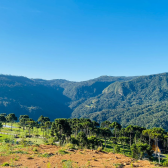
(52, 98)
(141, 101)
(129, 100)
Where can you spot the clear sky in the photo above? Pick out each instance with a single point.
(83, 39)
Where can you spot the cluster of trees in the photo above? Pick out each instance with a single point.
(146, 115)
(11, 118)
(86, 133)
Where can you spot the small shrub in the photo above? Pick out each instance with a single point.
(35, 150)
(117, 149)
(64, 160)
(16, 159)
(99, 149)
(7, 140)
(23, 142)
(51, 141)
(88, 163)
(30, 157)
(12, 164)
(119, 165)
(5, 164)
(47, 155)
(95, 159)
(70, 146)
(48, 165)
(62, 152)
(165, 163)
(74, 141)
(67, 164)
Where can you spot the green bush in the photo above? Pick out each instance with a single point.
(99, 149)
(62, 152)
(47, 155)
(139, 150)
(30, 157)
(23, 142)
(117, 149)
(119, 165)
(67, 164)
(70, 146)
(5, 164)
(64, 160)
(165, 163)
(74, 141)
(35, 150)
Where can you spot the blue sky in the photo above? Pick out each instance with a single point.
(83, 39)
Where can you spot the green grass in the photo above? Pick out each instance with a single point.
(35, 140)
(3, 137)
(109, 148)
(20, 131)
(20, 151)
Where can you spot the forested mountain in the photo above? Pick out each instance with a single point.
(129, 100)
(142, 101)
(21, 95)
(52, 98)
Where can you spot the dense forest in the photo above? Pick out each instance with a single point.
(140, 100)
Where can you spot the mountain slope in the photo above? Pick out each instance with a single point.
(52, 98)
(126, 98)
(21, 95)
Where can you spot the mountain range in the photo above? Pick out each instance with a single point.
(140, 100)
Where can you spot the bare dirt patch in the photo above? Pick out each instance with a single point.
(50, 156)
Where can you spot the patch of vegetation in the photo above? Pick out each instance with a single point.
(16, 158)
(62, 152)
(35, 150)
(47, 155)
(67, 163)
(119, 165)
(21, 151)
(5, 164)
(64, 160)
(30, 157)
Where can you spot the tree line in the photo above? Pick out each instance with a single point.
(90, 134)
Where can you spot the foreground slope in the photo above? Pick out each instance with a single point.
(74, 158)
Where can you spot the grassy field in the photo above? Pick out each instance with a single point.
(20, 131)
